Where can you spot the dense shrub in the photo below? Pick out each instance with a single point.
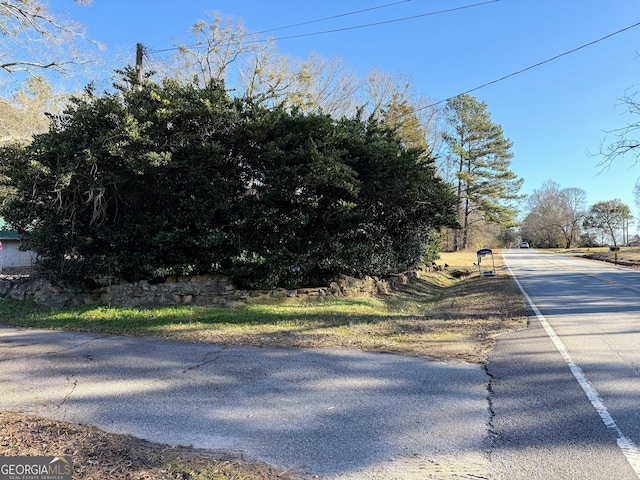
(176, 179)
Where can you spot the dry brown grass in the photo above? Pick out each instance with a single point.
(98, 455)
(626, 256)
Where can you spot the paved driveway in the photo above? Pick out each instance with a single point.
(336, 413)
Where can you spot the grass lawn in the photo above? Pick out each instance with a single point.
(438, 315)
(450, 314)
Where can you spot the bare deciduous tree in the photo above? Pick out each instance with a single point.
(555, 215)
(31, 38)
(223, 49)
(384, 93)
(267, 77)
(23, 114)
(575, 200)
(216, 44)
(610, 218)
(626, 140)
(329, 85)
(381, 87)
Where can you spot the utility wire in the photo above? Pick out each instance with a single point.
(383, 22)
(333, 17)
(492, 82)
(530, 67)
(439, 12)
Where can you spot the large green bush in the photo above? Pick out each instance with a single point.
(176, 179)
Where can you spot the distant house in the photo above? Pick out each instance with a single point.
(10, 255)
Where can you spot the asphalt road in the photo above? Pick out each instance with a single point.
(566, 391)
(335, 413)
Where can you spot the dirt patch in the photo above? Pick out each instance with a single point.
(98, 455)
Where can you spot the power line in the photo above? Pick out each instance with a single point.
(375, 24)
(413, 17)
(333, 17)
(530, 67)
(492, 82)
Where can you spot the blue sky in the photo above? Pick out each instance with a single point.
(557, 114)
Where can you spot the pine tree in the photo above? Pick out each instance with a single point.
(485, 187)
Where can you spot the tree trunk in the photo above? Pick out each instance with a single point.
(456, 236)
(465, 225)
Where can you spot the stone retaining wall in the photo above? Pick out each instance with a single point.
(192, 290)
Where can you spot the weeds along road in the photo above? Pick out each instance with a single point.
(566, 391)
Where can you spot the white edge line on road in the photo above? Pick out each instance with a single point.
(627, 446)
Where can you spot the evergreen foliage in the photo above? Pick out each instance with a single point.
(157, 179)
(486, 189)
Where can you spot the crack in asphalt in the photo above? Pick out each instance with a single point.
(623, 357)
(613, 350)
(206, 360)
(60, 405)
(491, 429)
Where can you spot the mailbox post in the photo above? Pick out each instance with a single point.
(615, 251)
(487, 272)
